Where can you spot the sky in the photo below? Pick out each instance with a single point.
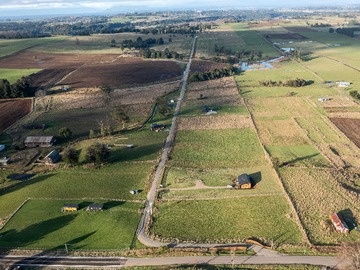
(92, 6)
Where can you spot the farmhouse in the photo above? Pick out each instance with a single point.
(52, 157)
(243, 182)
(339, 224)
(157, 127)
(39, 141)
(95, 207)
(70, 207)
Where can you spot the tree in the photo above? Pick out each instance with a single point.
(163, 107)
(113, 43)
(65, 132)
(97, 153)
(70, 155)
(106, 90)
(120, 116)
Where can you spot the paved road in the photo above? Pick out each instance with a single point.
(117, 262)
(151, 196)
(60, 261)
(218, 260)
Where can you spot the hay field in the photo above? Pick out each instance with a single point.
(281, 107)
(317, 193)
(214, 122)
(280, 132)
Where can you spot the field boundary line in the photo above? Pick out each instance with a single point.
(287, 194)
(13, 214)
(223, 198)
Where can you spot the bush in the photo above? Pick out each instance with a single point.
(70, 155)
(97, 153)
(354, 94)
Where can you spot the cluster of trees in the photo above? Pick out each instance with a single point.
(320, 25)
(236, 56)
(347, 31)
(139, 43)
(288, 83)
(177, 29)
(96, 153)
(213, 74)
(21, 88)
(166, 54)
(355, 94)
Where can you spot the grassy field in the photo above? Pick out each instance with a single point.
(112, 182)
(41, 224)
(266, 217)
(8, 47)
(317, 193)
(12, 75)
(226, 267)
(217, 148)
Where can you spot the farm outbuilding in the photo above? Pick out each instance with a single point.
(70, 207)
(39, 141)
(339, 224)
(95, 207)
(243, 182)
(157, 127)
(52, 157)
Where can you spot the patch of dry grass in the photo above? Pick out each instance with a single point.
(214, 122)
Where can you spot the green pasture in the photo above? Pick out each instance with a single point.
(265, 217)
(216, 148)
(8, 47)
(304, 155)
(253, 41)
(248, 82)
(263, 177)
(114, 181)
(12, 75)
(317, 194)
(41, 224)
(192, 108)
(101, 43)
(146, 146)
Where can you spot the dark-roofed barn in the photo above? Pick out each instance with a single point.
(243, 182)
(52, 157)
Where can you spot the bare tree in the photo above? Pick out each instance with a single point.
(119, 115)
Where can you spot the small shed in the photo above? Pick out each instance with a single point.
(39, 141)
(323, 99)
(52, 157)
(70, 207)
(243, 182)
(2, 147)
(339, 224)
(95, 207)
(157, 127)
(343, 84)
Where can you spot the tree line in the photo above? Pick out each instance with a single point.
(212, 74)
(139, 43)
(21, 88)
(347, 31)
(288, 83)
(166, 54)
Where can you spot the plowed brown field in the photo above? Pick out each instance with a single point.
(92, 70)
(350, 127)
(12, 110)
